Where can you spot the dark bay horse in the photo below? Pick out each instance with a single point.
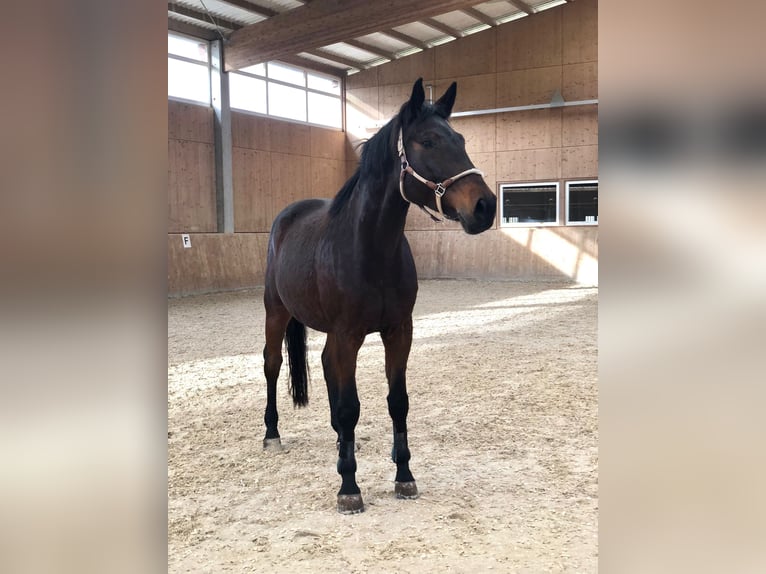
(344, 267)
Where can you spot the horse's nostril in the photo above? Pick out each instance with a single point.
(481, 207)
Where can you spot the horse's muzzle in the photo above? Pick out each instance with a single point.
(482, 217)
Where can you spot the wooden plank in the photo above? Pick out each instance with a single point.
(443, 28)
(338, 71)
(327, 176)
(529, 165)
(251, 131)
(191, 187)
(325, 22)
(290, 138)
(473, 92)
(372, 49)
(328, 144)
(395, 34)
(580, 32)
(290, 180)
(530, 42)
(533, 129)
(480, 16)
(190, 122)
(216, 262)
(580, 81)
(525, 87)
(253, 200)
(579, 161)
(580, 126)
(408, 69)
(335, 58)
(521, 5)
(469, 56)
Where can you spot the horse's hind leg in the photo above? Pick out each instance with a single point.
(397, 342)
(277, 318)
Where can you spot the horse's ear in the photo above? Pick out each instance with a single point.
(444, 104)
(411, 109)
(418, 95)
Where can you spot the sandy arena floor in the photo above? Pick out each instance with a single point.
(502, 428)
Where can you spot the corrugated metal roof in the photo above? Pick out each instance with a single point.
(366, 51)
(458, 20)
(420, 31)
(222, 9)
(497, 9)
(385, 42)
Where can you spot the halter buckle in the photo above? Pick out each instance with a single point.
(440, 189)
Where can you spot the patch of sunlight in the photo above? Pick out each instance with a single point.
(558, 252)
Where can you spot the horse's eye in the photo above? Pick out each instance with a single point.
(428, 144)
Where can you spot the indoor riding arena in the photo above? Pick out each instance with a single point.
(271, 102)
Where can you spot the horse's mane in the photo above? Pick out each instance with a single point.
(378, 153)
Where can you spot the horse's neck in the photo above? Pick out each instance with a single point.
(380, 216)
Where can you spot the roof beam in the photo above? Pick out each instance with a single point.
(436, 25)
(191, 30)
(250, 7)
(405, 38)
(480, 16)
(521, 5)
(371, 49)
(335, 58)
(324, 22)
(301, 62)
(202, 17)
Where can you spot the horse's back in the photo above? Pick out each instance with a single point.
(291, 217)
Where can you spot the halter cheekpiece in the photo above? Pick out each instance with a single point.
(439, 189)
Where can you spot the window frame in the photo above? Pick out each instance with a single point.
(556, 184)
(207, 65)
(341, 97)
(566, 214)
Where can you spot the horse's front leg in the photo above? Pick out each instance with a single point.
(340, 360)
(397, 342)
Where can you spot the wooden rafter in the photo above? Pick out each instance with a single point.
(192, 30)
(319, 53)
(521, 5)
(480, 16)
(405, 38)
(371, 49)
(337, 71)
(436, 25)
(325, 22)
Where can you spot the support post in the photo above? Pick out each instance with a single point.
(224, 187)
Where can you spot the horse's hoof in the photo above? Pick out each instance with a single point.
(406, 490)
(350, 503)
(273, 445)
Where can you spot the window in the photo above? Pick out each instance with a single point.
(525, 204)
(287, 92)
(188, 69)
(582, 202)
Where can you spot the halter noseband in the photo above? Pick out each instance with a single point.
(439, 189)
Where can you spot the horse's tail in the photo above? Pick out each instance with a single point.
(295, 337)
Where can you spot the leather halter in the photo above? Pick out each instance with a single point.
(439, 189)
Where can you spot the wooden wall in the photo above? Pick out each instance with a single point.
(520, 63)
(276, 162)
